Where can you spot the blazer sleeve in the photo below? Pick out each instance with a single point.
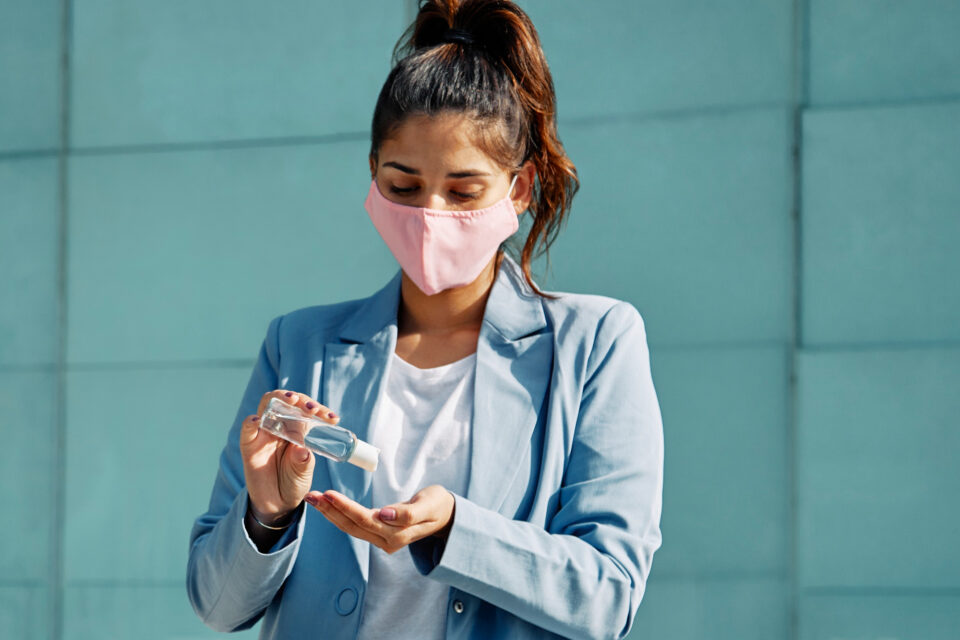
(229, 582)
(582, 576)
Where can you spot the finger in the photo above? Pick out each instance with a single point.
(249, 429)
(338, 519)
(302, 401)
(358, 513)
(311, 406)
(367, 520)
(402, 514)
(427, 505)
(305, 403)
(313, 497)
(348, 520)
(253, 438)
(290, 397)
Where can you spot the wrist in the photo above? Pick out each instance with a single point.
(444, 532)
(273, 522)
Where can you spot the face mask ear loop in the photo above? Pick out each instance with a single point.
(510, 191)
(513, 182)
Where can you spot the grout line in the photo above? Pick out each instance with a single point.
(24, 584)
(804, 10)
(28, 154)
(702, 577)
(800, 76)
(661, 347)
(573, 122)
(881, 347)
(881, 591)
(719, 345)
(577, 122)
(219, 145)
(691, 347)
(130, 583)
(141, 365)
(44, 367)
(226, 363)
(678, 113)
(886, 103)
(125, 583)
(58, 502)
(665, 348)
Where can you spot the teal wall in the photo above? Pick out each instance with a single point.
(774, 185)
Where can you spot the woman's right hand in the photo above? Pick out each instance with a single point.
(278, 473)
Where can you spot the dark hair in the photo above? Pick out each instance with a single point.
(483, 58)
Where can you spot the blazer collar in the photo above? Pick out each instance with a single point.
(512, 309)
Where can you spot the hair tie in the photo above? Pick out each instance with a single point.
(458, 36)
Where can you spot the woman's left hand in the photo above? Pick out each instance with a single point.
(429, 512)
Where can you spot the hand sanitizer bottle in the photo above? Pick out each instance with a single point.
(331, 441)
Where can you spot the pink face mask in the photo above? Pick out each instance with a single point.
(441, 249)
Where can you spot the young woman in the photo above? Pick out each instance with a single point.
(519, 487)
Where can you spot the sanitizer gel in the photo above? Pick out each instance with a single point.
(294, 425)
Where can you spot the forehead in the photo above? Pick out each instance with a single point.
(446, 140)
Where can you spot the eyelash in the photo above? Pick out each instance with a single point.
(407, 191)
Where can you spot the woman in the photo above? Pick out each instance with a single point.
(519, 488)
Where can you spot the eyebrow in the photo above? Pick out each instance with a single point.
(416, 172)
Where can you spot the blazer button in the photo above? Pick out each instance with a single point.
(458, 606)
(347, 601)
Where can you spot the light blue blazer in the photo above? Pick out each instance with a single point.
(556, 533)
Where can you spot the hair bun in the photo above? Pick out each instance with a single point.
(457, 36)
(498, 28)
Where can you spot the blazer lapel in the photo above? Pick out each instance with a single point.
(354, 371)
(514, 364)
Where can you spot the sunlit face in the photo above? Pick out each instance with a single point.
(431, 161)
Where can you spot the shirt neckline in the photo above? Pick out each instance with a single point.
(433, 372)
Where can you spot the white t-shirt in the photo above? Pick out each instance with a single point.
(423, 431)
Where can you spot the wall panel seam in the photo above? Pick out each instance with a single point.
(58, 502)
(800, 82)
(216, 145)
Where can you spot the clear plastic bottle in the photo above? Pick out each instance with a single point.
(331, 441)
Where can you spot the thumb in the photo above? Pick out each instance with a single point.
(402, 514)
(300, 459)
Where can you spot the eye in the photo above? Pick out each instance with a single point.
(466, 196)
(402, 190)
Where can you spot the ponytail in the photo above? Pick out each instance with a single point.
(483, 58)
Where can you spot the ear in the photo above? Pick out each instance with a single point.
(523, 190)
(373, 167)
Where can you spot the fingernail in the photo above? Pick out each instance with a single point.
(255, 418)
(388, 514)
(332, 415)
(310, 405)
(305, 455)
(289, 394)
(312, 500)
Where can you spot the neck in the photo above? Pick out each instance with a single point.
(451, 310)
